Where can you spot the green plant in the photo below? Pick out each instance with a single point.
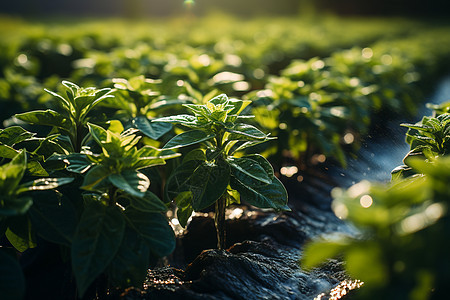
(137, 101)
(211, 173)
(132, 231)
(428, 139)
(440, 109)
(400, 252)
(73, 114)
(109, 221)
(16, 218)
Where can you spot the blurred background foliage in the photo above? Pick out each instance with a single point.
(144, 8)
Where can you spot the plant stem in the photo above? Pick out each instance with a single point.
(219, 219)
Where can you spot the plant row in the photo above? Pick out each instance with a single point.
(303, 84)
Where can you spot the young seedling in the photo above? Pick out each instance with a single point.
(428, 139)
(121, 215)
(211, 173)
(73, 114)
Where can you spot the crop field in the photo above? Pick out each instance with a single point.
(115, 133)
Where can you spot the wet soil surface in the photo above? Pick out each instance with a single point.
(262, 261)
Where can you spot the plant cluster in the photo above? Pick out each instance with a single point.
(106, 220)
(323, 106)
(105, 216)
(211, 173)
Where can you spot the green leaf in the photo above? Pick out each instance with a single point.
(196, 154)
(206, 181)
(367, 256)
(153, 130)
(149, 203)
(186, 120)
(99, 134)
(96, 178)
(54, 217)
(188, 138)
(220, 99)
(149, 156)
(85, 103)
(46, 117)
(7, 151)
(131, 181)
(319, 251)
(245, 132)
(184, 207)
(129, 266)
(246, 167)
(14, 135)
(34, 168)
(13, 206)
(272, 195)
(12, 281)
(199, 110)
(65, 102)
(19, 233)
(44, 184)
(77, 163)
(97, 239)
(262, 161)
(11, 173)
(154, 229)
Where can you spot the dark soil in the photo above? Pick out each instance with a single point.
(262, 261)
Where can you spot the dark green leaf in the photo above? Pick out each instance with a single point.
(77, 163)
(12, 281)
(153, 130)
(13, 206)
(196, 154)
(54, 217)
(262, 162)
(188, 138)
(129, 266)
(272, 195)
(149, 203)
(19, 233)
(7, 151)
(131, 181)
(154, 229)
(206, 181)
(44, 184)
(97, 239)
(245, 132)
(96, 178)
(246, 167)
(14, 135)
